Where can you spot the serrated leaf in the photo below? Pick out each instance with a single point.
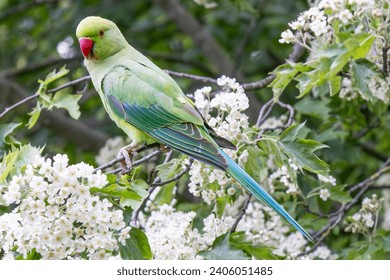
(168, 170)
(334, 85)
(165, 195)
(315, 77)
(359, 44)
(54, 75)
(68, 102)
(137, 246)
(7, 164)
(5, 133)
(117, 191)
(24, 155)
(361, 72)
(34, 116)
(223, 249)
(284, 75)
(139, 186)
(259, 251)
(302, 150)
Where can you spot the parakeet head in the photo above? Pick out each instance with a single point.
(99, 38)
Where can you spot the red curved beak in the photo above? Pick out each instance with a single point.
(86, 46)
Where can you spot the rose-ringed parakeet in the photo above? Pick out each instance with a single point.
(149, 106)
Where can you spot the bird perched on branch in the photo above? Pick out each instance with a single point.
(149, 106)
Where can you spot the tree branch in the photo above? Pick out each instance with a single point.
(242, 213)
(190, 76)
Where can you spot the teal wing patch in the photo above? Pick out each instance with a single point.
(167, 128)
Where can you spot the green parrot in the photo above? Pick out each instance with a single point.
(149, 106)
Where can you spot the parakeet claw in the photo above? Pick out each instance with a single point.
(127, 163)
(129, 153)
(165, 148)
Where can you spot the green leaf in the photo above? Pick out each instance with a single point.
(313, 107)
(361, 72)
(117, 191)
(334, 85)
(130, 193)
(68, 102)
(7, 164)
(317, 76)
(54, 75)
(34, 116)
(168, 170)
(359, 44)
(5, 133)
(259, 251)
(165, 195)
(137, 246)
(140, 187)
(284, 75)
(223, 249)
(338, 194)
(301, 150)
(12, 166)
(32, 255)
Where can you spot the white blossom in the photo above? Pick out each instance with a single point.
(56, 215)
(324, 194)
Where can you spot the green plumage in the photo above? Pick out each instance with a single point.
(149, 106)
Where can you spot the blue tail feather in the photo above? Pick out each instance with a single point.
(247, 181)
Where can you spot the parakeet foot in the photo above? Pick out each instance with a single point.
(165, 148)
(129, 153)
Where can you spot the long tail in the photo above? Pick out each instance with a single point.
(244, 179)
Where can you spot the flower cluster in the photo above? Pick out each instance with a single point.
(318, 22)
(171, 235)
(56, 215)
(328, 180)
(228, 122)
(366, 218)
(283, 177)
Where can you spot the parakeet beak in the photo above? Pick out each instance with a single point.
(86, 46)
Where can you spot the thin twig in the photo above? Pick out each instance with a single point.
(242, 213)
(153, 187)
(17, 104)
(69, 84)
(385, 66)
(259, 84)
(264, 111)
(267, 109)
(190, 76)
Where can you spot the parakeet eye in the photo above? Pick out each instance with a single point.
(101, 33)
